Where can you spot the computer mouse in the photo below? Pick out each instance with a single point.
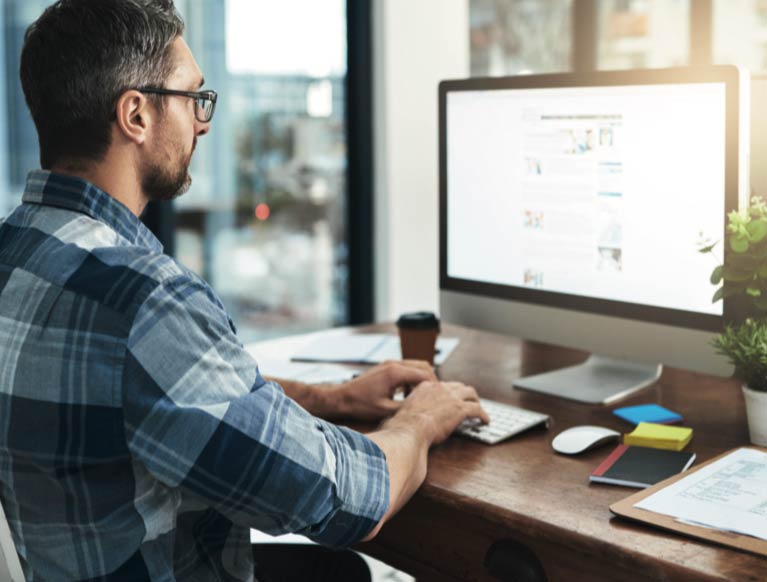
(582, 438)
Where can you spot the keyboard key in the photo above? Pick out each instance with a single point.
(506, 421)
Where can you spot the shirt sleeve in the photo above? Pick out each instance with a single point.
(199, 416)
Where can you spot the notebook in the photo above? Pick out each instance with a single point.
(640, 467)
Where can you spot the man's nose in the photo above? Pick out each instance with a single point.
(202, 127)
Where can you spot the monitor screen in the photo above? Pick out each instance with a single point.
(599, 192)
(591, 194)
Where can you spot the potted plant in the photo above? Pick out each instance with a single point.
(742, 278)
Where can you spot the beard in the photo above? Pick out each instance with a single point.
(161, 183)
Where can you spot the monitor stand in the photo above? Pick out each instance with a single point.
(598, 380)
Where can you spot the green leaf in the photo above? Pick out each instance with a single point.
(708, 248)
(757, 230)
(716, 276)
(718, 295)
(745, 345)
(736, 218)
(754, 291)
(739, 244)
(758, 207)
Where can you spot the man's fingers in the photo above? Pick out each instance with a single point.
(462, 391)
(409, 375)
(456, 390)
(475, 410)
(420, 365)
(389, 406)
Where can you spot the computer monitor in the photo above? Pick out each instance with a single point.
(571, 208)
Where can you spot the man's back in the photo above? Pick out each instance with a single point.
(65, 321)
(70, 287)
(136, 436)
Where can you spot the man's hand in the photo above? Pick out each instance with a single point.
(427, 417)
(429, 414)
(370, 396)
(437, 408)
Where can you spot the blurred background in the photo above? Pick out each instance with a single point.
(314, 195)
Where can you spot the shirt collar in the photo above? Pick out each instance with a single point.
(49, 189)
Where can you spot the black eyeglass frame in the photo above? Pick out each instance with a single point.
(199, 96)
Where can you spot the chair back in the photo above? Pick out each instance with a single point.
(10, 567)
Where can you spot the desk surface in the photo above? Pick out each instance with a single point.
(521, 490)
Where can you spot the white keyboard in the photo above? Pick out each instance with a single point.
(505, 421)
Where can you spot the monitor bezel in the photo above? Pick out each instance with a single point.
(727, 74)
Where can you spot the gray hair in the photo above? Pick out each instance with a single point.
(79, 57)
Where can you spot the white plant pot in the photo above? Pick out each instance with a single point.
(756, 412)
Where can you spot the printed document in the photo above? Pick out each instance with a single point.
(729, 494)
(365, 348)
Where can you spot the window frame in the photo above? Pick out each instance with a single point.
(160, 217)
(585, 34)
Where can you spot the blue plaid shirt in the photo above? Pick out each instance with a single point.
(137, 438)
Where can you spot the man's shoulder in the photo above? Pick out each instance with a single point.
(95, 261)
(84, 256)
(128, 275)
(151, 265)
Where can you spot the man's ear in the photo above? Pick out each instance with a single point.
(134, 116)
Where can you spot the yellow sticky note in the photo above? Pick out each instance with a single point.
(659, 436)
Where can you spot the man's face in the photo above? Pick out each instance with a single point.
(164, 171)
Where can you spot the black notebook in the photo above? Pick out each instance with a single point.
(641, 466)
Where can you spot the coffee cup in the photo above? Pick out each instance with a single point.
(418, 333)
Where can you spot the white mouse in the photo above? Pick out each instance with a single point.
(582, 438)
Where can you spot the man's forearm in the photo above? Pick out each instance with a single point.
(404, 440)
(406, 446)
(322, 400)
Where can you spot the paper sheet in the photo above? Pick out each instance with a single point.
(729, 494)
(368, 348)
(356, 348)
(309, 373)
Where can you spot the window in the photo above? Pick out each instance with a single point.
(510, 37)
(637, 34)
(740, 33)
(19, 152)
(264, 222)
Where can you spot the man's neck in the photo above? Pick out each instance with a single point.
(119, 182)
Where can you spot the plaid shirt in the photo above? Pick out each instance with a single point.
(137, 438)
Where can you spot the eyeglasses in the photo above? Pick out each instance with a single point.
(205, 101)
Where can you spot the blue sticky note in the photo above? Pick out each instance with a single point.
(647, 413)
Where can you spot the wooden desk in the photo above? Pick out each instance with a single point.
(520, 490)
(475, 495)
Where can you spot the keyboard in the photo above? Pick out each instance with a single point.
(505, 421)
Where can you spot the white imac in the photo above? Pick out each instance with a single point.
(571, 207)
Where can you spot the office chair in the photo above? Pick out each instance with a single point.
(10, 567)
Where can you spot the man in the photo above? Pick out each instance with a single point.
(138, 439)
